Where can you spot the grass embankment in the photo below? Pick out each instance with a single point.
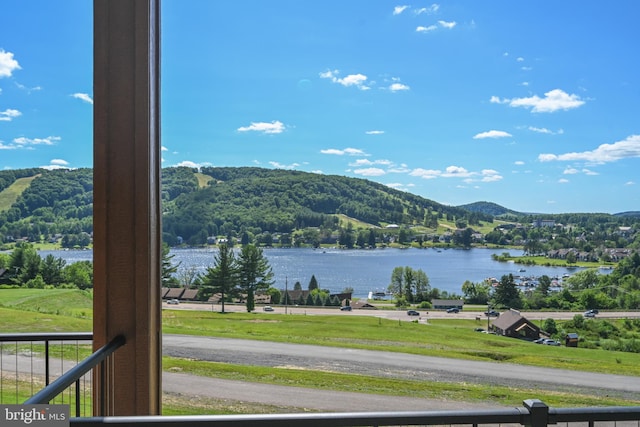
(32, 310)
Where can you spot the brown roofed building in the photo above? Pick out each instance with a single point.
(512, 324)
(174, 293)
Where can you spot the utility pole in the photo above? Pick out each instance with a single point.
(286, 294)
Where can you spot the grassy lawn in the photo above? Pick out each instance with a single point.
(417, 388)
(446, 338)
(58, 310)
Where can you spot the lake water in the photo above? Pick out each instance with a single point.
(364, 270)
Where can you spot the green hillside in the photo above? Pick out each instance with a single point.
(10, 195)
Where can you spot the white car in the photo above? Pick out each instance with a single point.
(173, 301)
(267, 308)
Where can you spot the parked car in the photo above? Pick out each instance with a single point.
(173, 301)
(550, 342)
(453, 310)
(539, 341)
(267, 308)
(345, 308)
(491, 313)
(412, 313)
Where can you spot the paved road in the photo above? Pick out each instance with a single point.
(398, 314)
(396, 365)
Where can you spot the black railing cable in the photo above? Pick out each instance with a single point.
(61, 383)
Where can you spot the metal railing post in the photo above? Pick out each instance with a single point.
(46, 362)
(539, 412)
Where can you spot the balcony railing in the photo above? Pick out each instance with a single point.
(533, 413)
(29, 361)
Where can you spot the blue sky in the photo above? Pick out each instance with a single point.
(531, 105)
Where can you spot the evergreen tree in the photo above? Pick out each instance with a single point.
(222, 278)
(168, 268)
(51, 270)
(313, 283)
(24, 264)
(507, 294)
(254, 273)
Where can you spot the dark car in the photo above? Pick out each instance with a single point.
(345, 308)
(412, 313)
(453, 310)
(491, 313)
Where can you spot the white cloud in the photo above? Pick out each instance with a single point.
(448, 25)
(7, 64)
(395, 87)
(490, 175)
(367, 162)
(163, 148)
(403, 168)
(486, 175)
(428, 10)
(189, 164)
(374, 132)
(492, 134)
(273, 127)
(553, 100)
(347, 151)
(426, 173)
(563, 181)
(456, 172)
(399, 9)
(571, 171)
(281, 166)
(605, 153)
(629, 183)
(519, 162)
(83, 97)
(9, 114)
(56, 164)
(23, 142)
(357, 80)
(370, 172)
(545, 130)
(395, 185)
(422, 29)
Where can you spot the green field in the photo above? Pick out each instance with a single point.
(30, 310)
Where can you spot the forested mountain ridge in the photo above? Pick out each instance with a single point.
(258, 200)
(223, 201)
(490, 208)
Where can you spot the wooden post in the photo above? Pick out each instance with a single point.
(127, 214)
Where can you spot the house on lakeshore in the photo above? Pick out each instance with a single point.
(512, 324)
